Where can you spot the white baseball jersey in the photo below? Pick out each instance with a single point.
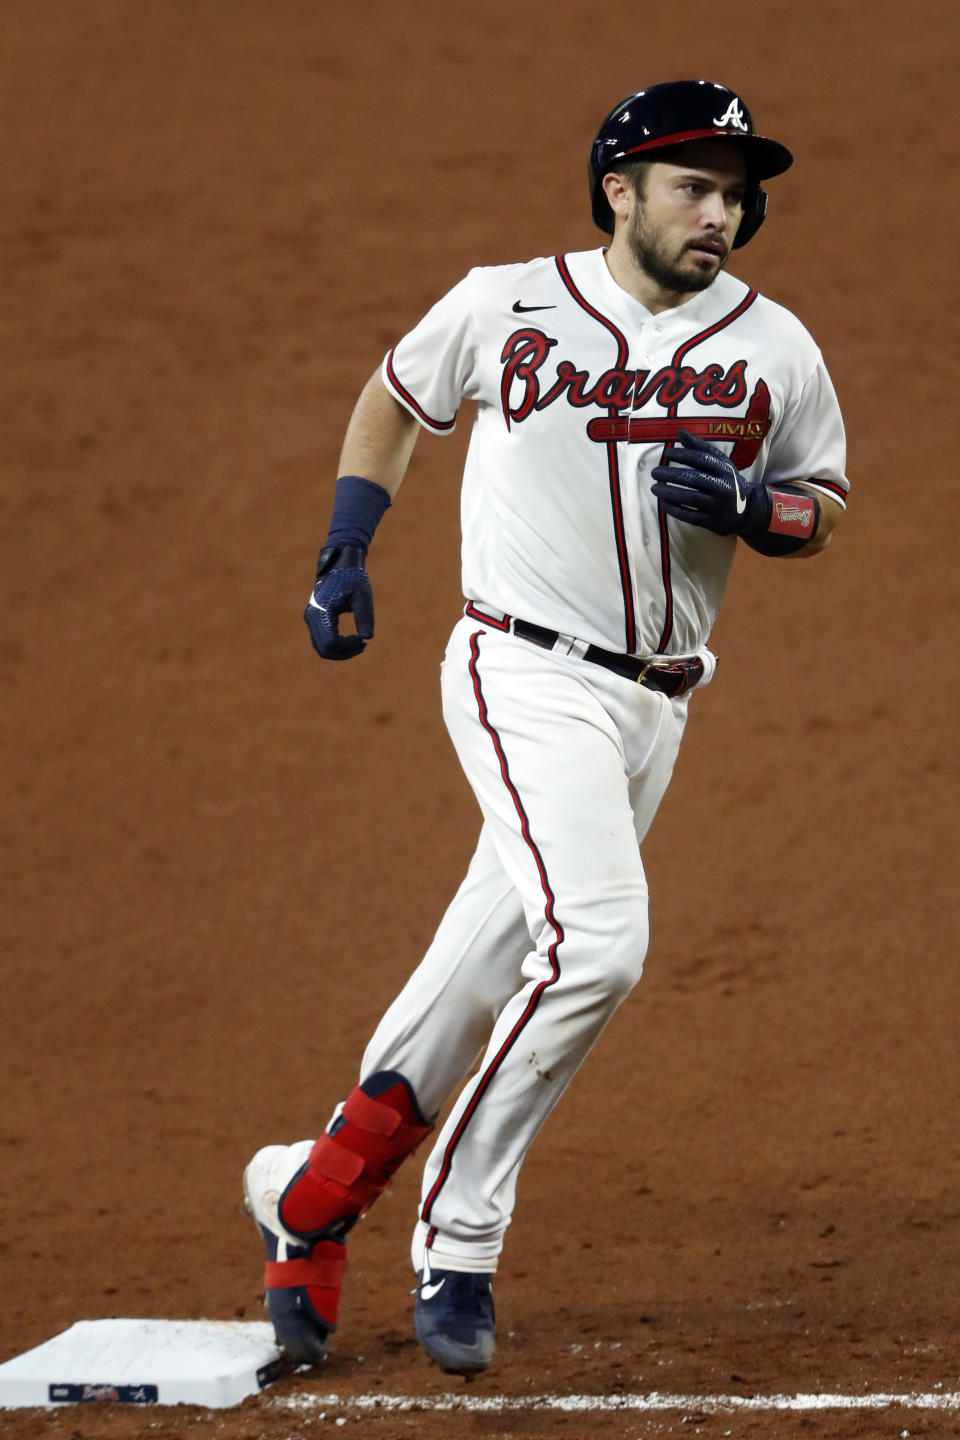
(580, 390)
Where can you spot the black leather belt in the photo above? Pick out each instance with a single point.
(670, 677)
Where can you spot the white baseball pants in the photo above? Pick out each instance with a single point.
(547, 933)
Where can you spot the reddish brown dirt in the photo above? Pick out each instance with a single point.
(220, 857)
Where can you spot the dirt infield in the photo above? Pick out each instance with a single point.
(220, 857)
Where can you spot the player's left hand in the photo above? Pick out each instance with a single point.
(697, 483)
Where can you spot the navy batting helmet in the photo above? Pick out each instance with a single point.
(649, 123)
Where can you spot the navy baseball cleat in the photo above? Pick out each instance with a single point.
(302, 1278)
(454, 1320)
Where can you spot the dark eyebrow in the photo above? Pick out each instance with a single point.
(705, 179)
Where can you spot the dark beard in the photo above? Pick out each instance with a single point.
(650, 257)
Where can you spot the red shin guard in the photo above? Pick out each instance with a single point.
(348, 1168)
(320, 1277)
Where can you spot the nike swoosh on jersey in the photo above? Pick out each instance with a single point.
(519, 309)
(427, 1292)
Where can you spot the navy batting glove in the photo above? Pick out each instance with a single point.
(697, 483)
(342, 587)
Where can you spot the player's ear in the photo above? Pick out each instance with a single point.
(619, 193)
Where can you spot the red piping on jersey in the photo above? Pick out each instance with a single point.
(613, 464)
(417, 409)
(831, 487)
(483, 1084)
(476, 614)
(678, 358)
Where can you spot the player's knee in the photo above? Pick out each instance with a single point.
(625, 956)
(603, 943)
(621, 946)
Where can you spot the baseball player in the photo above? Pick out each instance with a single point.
(639, 412)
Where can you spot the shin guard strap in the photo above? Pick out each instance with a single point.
(375, 1118)
(371, 1114)
(325, 1268)
(334, 1163)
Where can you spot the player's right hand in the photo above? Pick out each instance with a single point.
(342, 587)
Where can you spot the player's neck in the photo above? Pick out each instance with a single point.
(631, 276)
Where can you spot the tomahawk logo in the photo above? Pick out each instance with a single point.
(733, 115)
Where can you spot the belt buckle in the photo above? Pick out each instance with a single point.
(643, 673)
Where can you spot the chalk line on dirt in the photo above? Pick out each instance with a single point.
(935, 1400)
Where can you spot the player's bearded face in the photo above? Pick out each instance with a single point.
(673, 266)
(683, 225)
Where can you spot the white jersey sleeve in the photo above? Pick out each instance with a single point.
(434, 366)
(810, 444)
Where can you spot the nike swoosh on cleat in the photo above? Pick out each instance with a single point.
(519, 309)
(427, 1292)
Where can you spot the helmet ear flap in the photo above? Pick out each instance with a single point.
(600, 210)
(754, 214)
